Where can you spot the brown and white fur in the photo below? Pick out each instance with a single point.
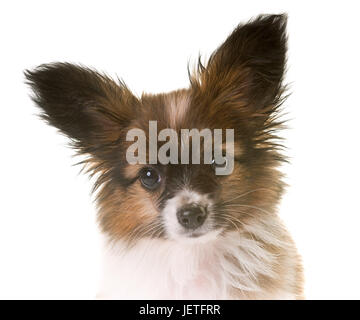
(241, 250)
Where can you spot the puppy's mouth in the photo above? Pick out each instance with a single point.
(193, 233)
(196, 234)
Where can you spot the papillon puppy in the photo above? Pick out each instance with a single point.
(179, 230)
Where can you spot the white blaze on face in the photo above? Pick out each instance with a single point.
(172, 226)
(177, 106)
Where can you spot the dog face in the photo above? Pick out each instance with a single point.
(239, 88)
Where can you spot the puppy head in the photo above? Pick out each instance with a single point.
(240, 88)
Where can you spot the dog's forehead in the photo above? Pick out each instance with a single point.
(168, 110)
(181, 110)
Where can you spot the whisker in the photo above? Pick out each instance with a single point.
(244, 194)
(154, 231)
(233, 223)
(236, 219)
(240, 211)
(249, 206)
(153, 227)
(233, 218)
(141, 231)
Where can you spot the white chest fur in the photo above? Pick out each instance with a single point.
(158, 269)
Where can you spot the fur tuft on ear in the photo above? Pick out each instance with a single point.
(248, 67)
(89, 107)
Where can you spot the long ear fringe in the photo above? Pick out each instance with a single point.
(82, 103)
(240, 51)
(87, 106)
(238, 75)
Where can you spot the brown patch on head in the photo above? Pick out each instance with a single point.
(129, 213)
(132, 170)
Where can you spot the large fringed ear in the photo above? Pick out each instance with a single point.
(89, 107)
(248, 68)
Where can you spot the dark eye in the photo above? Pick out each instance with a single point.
(215, 165)
(149, 178)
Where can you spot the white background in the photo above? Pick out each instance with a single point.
(48, 236)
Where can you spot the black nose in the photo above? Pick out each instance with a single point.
(191, 216)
